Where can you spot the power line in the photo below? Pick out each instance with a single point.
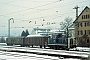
(7, 2)
(57, 7)
(48, 16)
(32, 8)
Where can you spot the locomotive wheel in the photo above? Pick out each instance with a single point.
(40, 46)
(44, 46)
(32, 45)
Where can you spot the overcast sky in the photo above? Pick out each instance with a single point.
(24, 11)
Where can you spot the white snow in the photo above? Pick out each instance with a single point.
(8, 55)
(36, 35)
(81, 49)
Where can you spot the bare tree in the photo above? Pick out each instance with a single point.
(66, 24)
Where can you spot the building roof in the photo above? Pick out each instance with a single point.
(81, 13)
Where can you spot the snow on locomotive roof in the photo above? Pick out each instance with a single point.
(36, 35)
(58, 32)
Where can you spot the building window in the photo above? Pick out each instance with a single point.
(80, 32)
(87, 40)
(82, 16)
(86, 10)
(86, 16)
(87, 32)
(79, 24)
(87, 23)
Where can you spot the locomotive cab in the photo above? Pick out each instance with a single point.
(57, 40)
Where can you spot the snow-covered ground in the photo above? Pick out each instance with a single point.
(27, 56)
(3, 44)
(81, 49)
(41, 51)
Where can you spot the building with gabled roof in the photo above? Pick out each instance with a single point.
(82, 28)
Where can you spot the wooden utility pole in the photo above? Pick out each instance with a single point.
(77, 26)
(76, 10)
